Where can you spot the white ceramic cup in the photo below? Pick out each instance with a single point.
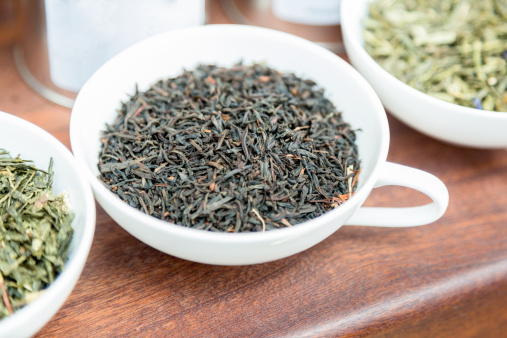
(166, 55)
(30, 142)
(448, 122)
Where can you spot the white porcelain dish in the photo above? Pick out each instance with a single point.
(22, 138)
(448, 122)
(166, 55)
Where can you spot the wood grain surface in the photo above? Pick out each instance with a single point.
(446, 279)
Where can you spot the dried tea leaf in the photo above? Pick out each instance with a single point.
(35, 232)
(454, 50)
(237, 149)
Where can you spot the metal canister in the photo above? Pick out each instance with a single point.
(315, 20)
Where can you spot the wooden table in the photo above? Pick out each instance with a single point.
(445, 279)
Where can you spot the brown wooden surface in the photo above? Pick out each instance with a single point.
(445, 279)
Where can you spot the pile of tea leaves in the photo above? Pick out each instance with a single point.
(35, 232)
(454, 50)
(237, 149)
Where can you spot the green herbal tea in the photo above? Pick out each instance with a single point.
(454, 50)
(35, 232)
(236, 149)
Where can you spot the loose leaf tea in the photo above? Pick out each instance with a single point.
(35, 232)
(454, 50)
(230, 149)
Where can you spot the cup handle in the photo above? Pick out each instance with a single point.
(396, 174)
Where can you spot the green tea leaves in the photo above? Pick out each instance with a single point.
(35, 232)
(454, 50)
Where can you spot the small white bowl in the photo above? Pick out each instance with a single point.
(167, 55)
(22, 138)
(448, 122)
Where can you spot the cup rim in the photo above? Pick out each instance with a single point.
(218, 30)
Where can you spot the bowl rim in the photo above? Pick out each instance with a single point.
(75, 263)
(350, 6)
(101, 191)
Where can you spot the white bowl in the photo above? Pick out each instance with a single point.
(166, 55)
(22, 138)
(442, 120)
